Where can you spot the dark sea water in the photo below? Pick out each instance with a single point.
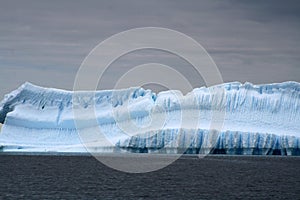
(213, 177)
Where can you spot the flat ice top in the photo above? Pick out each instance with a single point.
(48, 117)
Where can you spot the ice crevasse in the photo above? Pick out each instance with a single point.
(230, 118)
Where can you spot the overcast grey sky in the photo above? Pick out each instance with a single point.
(44, 42)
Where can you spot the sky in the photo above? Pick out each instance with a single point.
(45, 42)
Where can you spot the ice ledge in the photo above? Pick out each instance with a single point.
(44, 115)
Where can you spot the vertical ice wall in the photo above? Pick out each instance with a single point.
(256, 119)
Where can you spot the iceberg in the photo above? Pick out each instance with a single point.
(230, 118)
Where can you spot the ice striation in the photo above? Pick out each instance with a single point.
(231, 118)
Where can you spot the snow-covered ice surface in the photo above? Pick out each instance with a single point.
(231, 118)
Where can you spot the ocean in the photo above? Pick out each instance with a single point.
(213, 177)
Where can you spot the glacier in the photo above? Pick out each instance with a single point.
(230, 118)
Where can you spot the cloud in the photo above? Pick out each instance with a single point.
(45, 41)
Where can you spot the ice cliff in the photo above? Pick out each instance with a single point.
(230, 118)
